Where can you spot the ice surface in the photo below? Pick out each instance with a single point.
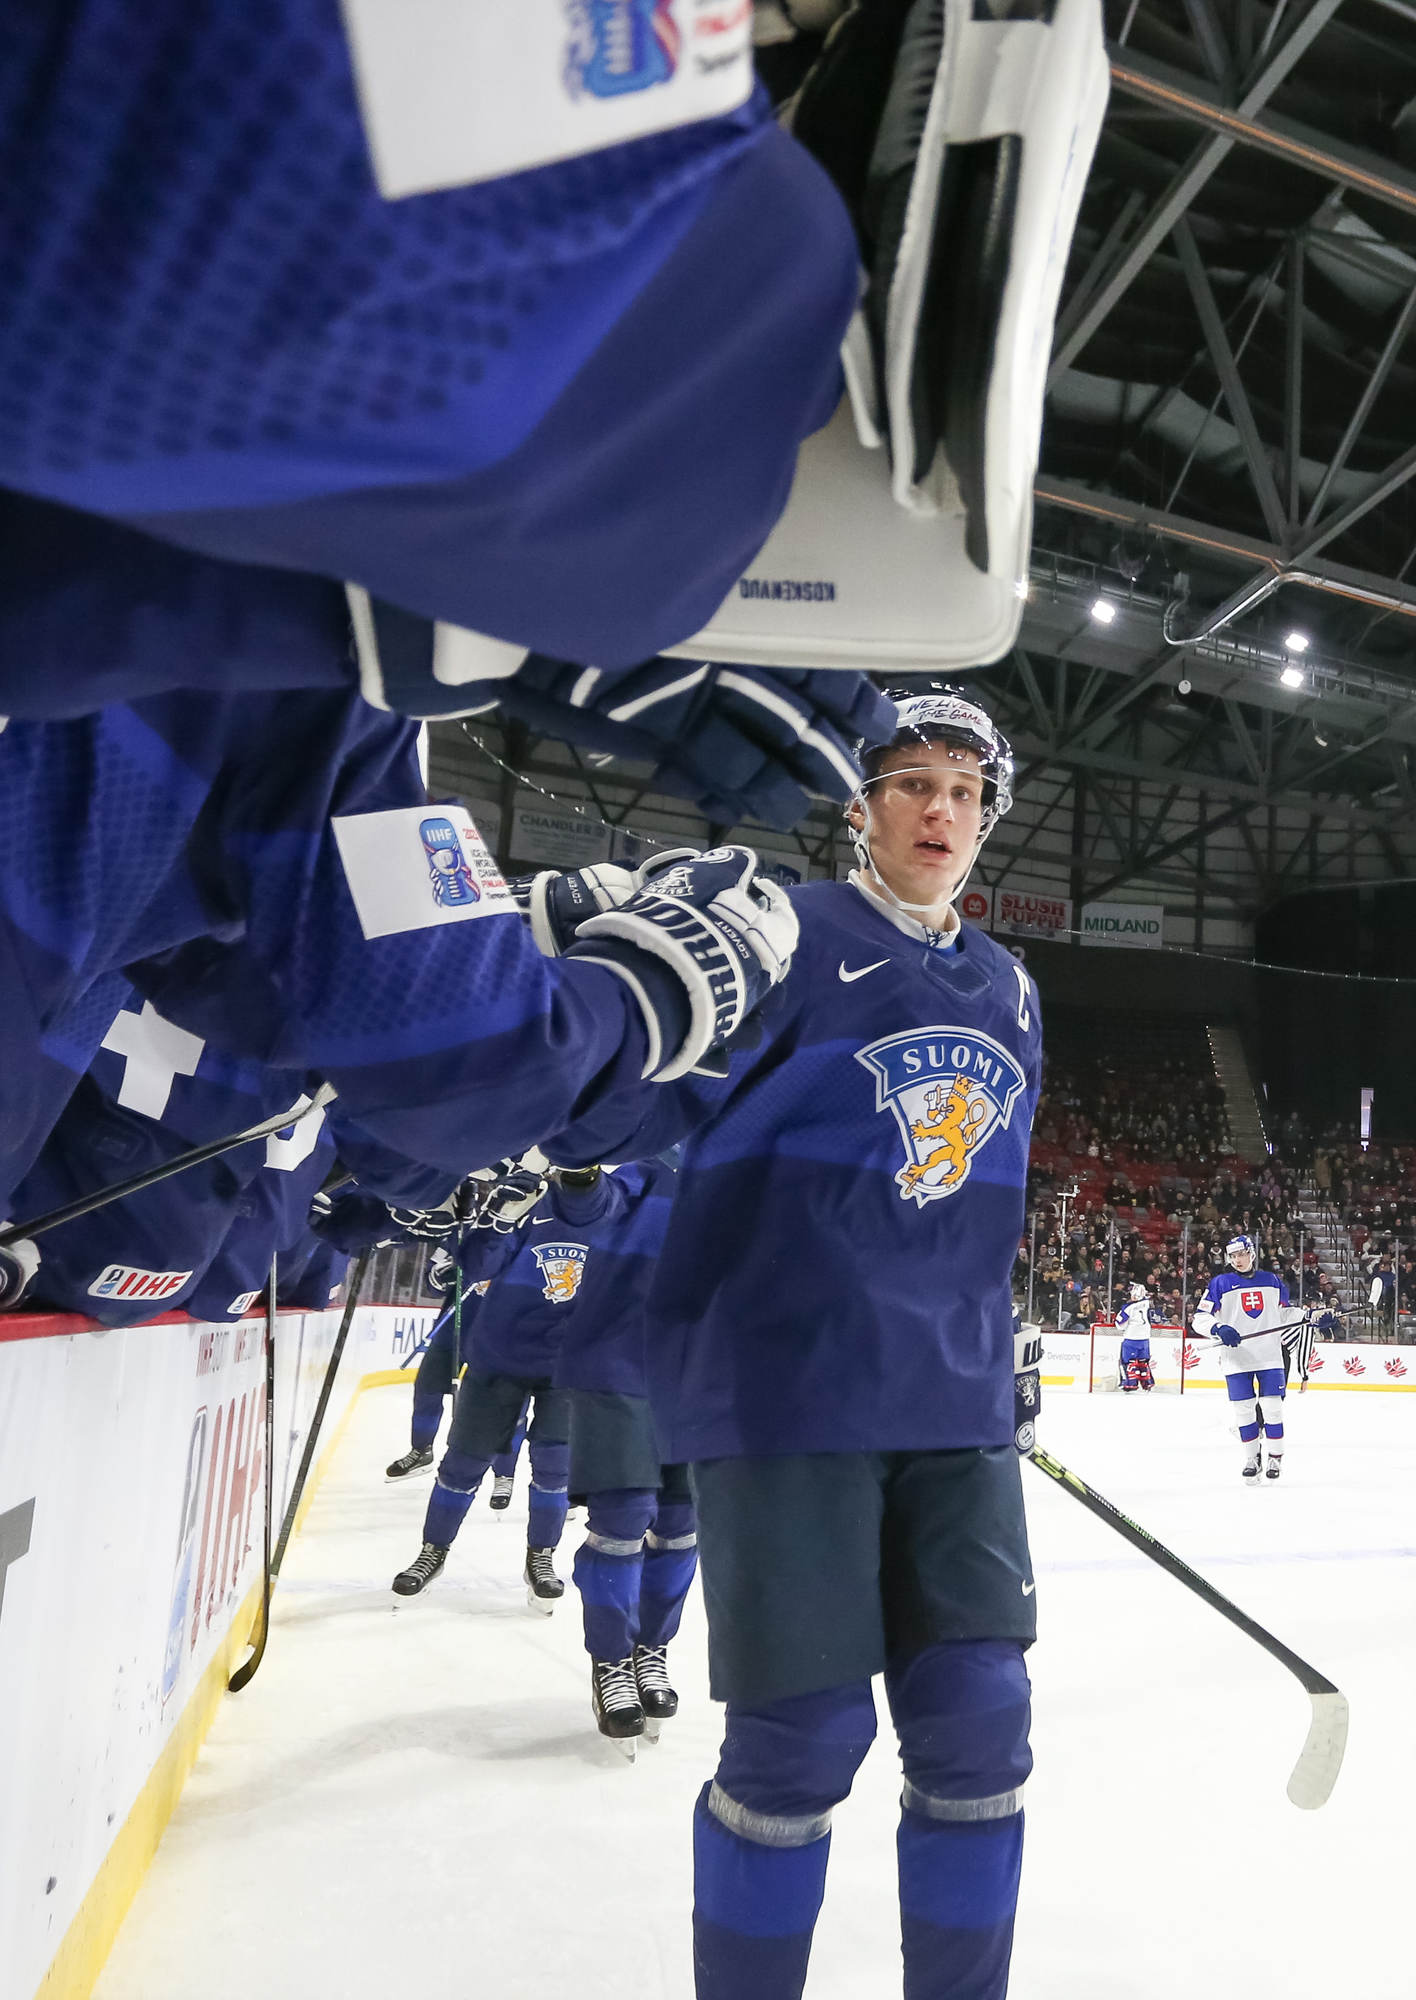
(411, 1797)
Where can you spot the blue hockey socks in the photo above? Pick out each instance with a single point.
(608, 1570)
(761, 1839)
(670, 1563)
(547, 1500)
(962, 1713)
(455, 1488)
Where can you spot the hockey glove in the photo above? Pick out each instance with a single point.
(700, 944)
(1228, 1335)
(432, 1225)
(556, 905)
(507, 1193)
(18, 1263)
(742, 742)
(1027, 1387)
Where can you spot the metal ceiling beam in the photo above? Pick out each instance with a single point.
(1284, 138)
(1235, 394)
(1376, 382)
(1075, 330)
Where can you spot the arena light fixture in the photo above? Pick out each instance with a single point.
(1292, 677)
(1296, 642)
(1103, 611)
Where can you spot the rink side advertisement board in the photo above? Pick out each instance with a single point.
(1138, 925)
(1086, 1360)
(132, 1482)
(1026, 914)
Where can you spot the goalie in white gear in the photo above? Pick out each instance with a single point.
(1133, 1323)
(1247, 1310)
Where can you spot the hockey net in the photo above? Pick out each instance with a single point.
(1171, 1359)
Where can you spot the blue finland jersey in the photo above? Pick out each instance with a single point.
(835, 1273)
(603, 1348)
(163, 837)
(152, 1092)
(537, 1274)
(562, 407)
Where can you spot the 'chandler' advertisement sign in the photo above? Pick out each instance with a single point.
(1138, 924)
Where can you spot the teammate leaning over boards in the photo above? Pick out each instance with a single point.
(1247, 1310)
(830, 1346)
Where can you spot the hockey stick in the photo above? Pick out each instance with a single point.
(71, 1212)
(287, 1526)
(246, 1671)
(1320, 1760)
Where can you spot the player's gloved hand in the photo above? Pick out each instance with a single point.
(1027, 1387)
(1324, 1322)
(441, 1265)
(700, 944)
(1229, 1335)
(556, 904)
(19, 1262)
(431, 1225)
(742, 742)
(507, 1192)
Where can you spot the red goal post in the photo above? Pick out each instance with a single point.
(1172, 1358)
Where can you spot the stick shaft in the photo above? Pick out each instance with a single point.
(356, 1285)
(245, 1673)
(1139, 1538)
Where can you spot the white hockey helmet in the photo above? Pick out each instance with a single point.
(1239, 1245)
(1138, 1292)
(937, 713)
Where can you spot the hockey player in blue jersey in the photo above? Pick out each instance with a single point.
(640, 1552)
(1247, 1309)
(1133, 1323)
(842, 1381)
(255, 866)
(510, 1343)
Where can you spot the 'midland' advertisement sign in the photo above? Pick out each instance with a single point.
(1136, 924)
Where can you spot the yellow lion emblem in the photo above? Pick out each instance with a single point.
(958, 1121)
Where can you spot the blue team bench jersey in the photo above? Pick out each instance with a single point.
(603, 1348)
(156, 837)
(537, 1277)
(835, 1273)
(561, 407)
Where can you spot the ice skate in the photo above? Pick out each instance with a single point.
(420, 1572)
(657, 1696)
(543, 1586)
(1274, 1466)
(501, 1492)
(411, 1462)
(614, 1697)
(1252, 1466)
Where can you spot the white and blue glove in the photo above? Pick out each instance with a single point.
(19, 1262)
(555, 905)
(700, 944)
(506, 1193)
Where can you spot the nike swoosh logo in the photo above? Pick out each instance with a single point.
(1028, 1589)
(846, 977)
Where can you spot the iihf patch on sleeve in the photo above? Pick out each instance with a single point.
(416, 867)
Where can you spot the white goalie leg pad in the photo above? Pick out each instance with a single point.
(871, 564)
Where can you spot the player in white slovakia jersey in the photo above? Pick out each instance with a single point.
(1247, 1310)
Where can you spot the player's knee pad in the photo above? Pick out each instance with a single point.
(1271, 1409)
(675, 1526)
(962, 1711)
(618, 1520)
(1249, 1431)
(784, 1765)
(461, 1471)
(550, 1467)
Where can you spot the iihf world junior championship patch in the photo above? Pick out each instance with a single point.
(949, 1090)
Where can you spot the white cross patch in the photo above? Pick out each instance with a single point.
(156, 1052)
